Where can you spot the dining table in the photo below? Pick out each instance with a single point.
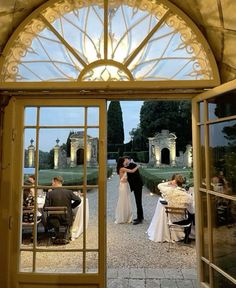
(78, 223)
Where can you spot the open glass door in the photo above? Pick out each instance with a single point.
(214, 138)
(65, 143)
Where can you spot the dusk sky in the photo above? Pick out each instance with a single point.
(73, 115)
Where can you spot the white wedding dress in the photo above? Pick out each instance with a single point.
(124, 207)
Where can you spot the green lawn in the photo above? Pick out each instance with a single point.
(71, 176)
(167, 172)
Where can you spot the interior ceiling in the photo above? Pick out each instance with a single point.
(215, 18)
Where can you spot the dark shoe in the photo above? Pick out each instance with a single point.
(137, 221)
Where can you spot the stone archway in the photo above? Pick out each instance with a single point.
(162, 147)
(165, 156)
(80, 156)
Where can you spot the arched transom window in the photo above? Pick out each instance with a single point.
(115, 40)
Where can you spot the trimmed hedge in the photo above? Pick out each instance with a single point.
(150, 181)
(143, 156)
(112, 155)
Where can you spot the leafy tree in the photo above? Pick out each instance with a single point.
(139, 142)
(115, 128)
(174, 116)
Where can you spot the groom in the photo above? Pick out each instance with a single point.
(136, 185)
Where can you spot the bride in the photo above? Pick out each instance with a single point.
(123, 208)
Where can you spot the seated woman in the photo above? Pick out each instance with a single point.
(175, 196)
(28, 201)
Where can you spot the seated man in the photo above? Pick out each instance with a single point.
(61, 197)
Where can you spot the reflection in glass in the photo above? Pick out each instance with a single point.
(92, 231)
(224, 231)
(30, 116)
(56, 116)
(202, 158)
(222, 106)
(59, 262)
(204, 224)
(201, 111)
(219, 281)
(222, 142)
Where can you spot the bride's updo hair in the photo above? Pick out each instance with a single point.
(120, 164)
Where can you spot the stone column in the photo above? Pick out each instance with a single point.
(56, 154)
(73, 157)
(151, 150)
(31, 153)
(173, 154)
(189, 153)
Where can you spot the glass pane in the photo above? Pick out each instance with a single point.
(93, 116)
(26, 261)
(58, 116)
(30, 116)
(29, 151)
(202, 158)
(205, 236)
(222, 106)
(224, 231)
(61, 153)
(73, 27)
(222, 142)
(92, 230)
(130, 24)
(219, 281)
(92, 262)
(201, 112)
(92, 156)
(59, 262)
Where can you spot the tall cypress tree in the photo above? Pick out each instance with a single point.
(115, 128)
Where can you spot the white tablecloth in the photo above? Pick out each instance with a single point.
(158, 229)
(77, 227)
(41, 201)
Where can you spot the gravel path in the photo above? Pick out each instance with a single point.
(129, 246)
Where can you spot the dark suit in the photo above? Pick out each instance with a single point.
(136, 185)
(61, 197)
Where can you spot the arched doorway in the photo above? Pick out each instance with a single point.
(165, 156)
(80, 156)
(57, 52)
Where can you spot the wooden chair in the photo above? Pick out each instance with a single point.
(30, 224)
(178, 212)
(54, 211)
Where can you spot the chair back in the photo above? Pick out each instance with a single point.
(176, 211)
(56, 210)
